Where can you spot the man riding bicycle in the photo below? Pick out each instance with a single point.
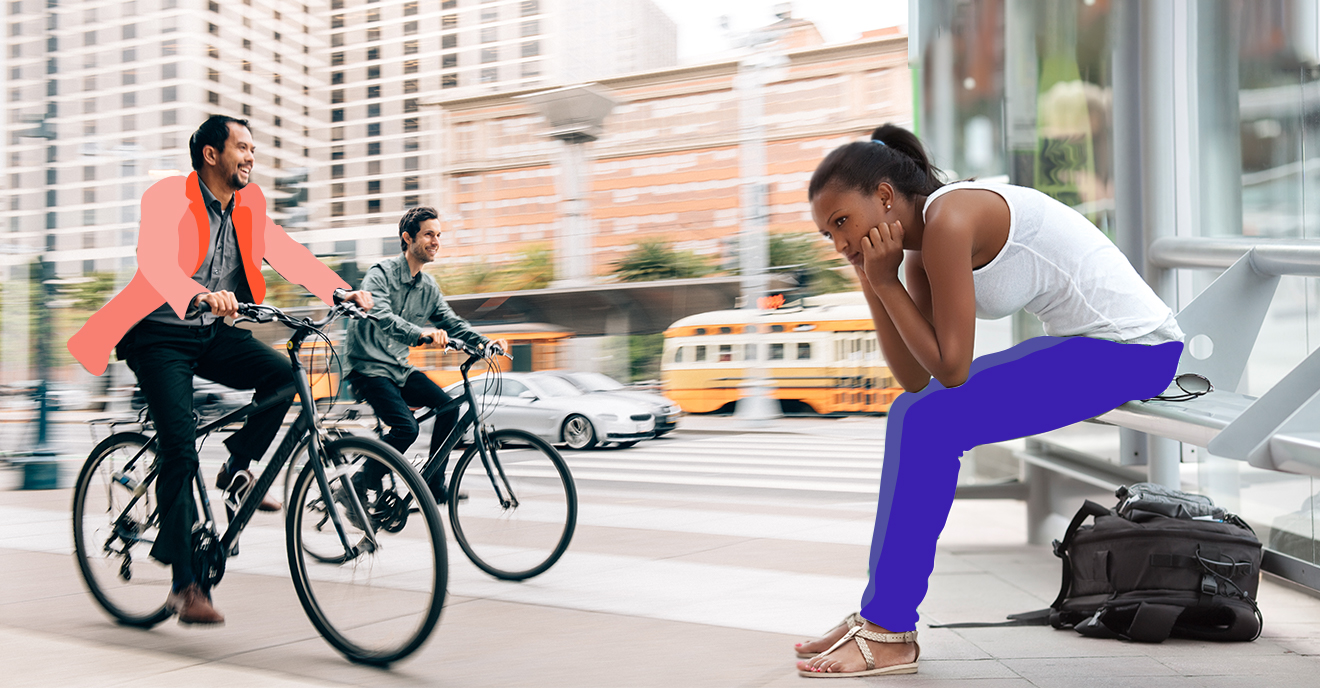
(201, 244)
(409, 306)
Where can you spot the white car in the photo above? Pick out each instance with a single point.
(554, 410)
(665, 410)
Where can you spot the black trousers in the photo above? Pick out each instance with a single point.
(165, 358)
(391, 404)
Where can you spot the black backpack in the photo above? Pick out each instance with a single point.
(1163, 563)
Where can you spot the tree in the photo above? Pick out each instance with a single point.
(656, 259)
(477, 277)
(534, 270)
(820, 271)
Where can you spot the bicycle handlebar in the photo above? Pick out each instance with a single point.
(460, 345)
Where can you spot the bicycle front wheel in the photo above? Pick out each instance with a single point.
(377, 600)
(517, 524)
(114, 527)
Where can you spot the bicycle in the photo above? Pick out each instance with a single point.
(376, 591)
(511, 498)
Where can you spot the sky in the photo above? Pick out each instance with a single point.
(700, 36)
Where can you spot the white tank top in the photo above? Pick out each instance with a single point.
(1059, 267)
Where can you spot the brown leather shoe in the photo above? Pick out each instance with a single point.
(193, 606)
(223, 480)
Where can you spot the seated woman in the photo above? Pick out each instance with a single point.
(972, 250)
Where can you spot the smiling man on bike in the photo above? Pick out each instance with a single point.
(409, 306)
(201, 244)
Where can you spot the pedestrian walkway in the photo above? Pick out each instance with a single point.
(666, 583)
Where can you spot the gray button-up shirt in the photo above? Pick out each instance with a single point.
(404, 303)
(222, 270)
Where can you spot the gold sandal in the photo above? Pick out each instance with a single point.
(860, 636)
(852, 621)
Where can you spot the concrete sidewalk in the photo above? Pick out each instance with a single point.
(660, 588)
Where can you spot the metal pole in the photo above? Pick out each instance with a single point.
(756, 404)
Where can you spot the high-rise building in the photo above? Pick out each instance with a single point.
(118, 87)
(388, 59)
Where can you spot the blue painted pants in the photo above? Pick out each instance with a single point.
(1040, 385)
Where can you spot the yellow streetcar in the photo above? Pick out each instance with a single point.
(822, 357)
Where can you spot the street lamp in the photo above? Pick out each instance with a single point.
(45, 277)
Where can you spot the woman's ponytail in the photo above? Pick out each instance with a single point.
(893, 155)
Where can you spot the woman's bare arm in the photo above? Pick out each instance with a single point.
(905, 368)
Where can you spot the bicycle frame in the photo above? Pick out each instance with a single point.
(435, 463)
(305, 424)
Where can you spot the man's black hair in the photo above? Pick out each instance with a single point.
(412, 221)
(213, 132)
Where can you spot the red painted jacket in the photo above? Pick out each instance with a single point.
(174, 235)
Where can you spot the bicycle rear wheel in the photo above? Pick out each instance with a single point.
(113, 531)
(375, 603)
(513, 539)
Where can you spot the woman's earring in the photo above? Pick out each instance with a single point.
(886, 207)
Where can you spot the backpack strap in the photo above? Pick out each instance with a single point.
(1089, 509)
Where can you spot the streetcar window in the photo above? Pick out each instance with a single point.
(776, 352)
(726, 330)
(776, 328)
(701, 330)
(803, 352)
(749, 354)
(701, 354)
(750, 329)
(726, 353)
(678, 354)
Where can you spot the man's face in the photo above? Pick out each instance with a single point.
(235, 163)
(426, 245)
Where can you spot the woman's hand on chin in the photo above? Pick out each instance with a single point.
(882, 253)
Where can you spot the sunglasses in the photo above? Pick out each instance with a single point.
(1192, 386)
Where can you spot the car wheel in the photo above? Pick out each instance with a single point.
(579, 433)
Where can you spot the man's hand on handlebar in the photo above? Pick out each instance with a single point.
(222, 304)
(434, 339)
(361, 297)
(502, 345)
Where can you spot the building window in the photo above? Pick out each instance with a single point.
(411, 201)
(278, 59)
(530, 7)
(247, 44)
(410, 8)
(410, 105)
(169, 117)
(490, 14)
(489, 55)
(373, 72)
(449, 61)
(410, 47)
(247, 65)
(410, 163)
(410, 66)
(531, 48)
(336, 40)
(448, 4)
(213, 74)
(336, 191)
(213, 6)
(373, 35)
(411, 144)
(373, 205)
(531, 69)
(449, 22)
(530, 28)
(449, 41)
(410, 86)
(213, 98)
(373, 15)
(247, 110)
(277, 36)
(373, 148)
(411, 183)
(277, 142)
(336, 21)
(129, 31)
(337, 59)
(373, 91)
(247, 88)
(169, 71)
(373, 110)
(373, 186)
(337, 208)
(489, 75)
(212, 29)
(337, 96)
(337, 153)
(337, 115)
(373, 129)
(128, 77)
(490, 34)
(411, 124)
(373, 53)
(169, 94)
(410, 28)
(336, 133)
(337, 171)
(171, 47)
(129, 99)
